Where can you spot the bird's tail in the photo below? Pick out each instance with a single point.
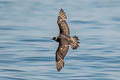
(75, 42)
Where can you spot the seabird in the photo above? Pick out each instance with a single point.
(64, 40)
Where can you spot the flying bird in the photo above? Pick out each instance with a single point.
(64, 40)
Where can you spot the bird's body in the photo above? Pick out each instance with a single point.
(64, 40)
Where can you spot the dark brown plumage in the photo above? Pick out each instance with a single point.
(64, 40)
(63, 26)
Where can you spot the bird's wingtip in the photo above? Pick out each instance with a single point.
(62, 14)
(61, 9)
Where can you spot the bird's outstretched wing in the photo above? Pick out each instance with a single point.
(63, 26)
(60, 54)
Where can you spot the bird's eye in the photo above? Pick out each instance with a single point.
(54, 38)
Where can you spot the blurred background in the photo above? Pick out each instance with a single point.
(27, 53)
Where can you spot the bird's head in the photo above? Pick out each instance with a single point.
(55, 38)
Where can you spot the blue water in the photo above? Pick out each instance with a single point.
(27, 53)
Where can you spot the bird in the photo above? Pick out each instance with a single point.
(64, 39)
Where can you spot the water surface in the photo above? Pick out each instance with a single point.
(27, 53)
